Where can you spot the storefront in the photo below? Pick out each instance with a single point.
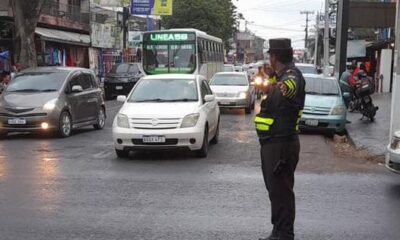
(61, 48)
(6, 46)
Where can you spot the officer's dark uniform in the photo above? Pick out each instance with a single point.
(277, 128)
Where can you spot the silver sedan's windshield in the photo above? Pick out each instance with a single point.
(37, 82)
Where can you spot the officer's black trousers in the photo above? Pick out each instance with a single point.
(281, 156)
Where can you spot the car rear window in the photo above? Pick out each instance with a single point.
(120, 68)
(229, 80)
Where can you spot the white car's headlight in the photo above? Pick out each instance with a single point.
(190, 120)
(258, 81)
(50, 105)
(122, 121)
(395, 144)
(338, 110)
(243, 95)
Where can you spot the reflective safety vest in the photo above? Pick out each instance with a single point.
(263, 124)
(269, 126)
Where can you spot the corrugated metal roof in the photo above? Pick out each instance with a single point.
(63, 36)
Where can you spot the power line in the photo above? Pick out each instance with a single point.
(276, 28)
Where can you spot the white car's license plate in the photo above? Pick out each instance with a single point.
(118, 87)
(153, 139)
(312, 123)
(17, 121)
(225, 103)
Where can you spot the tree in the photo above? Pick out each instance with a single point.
(26, 15)
(216, 17)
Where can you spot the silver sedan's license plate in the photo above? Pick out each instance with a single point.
(118, 87)
(17, 121)
(312, 123)
(153, 139)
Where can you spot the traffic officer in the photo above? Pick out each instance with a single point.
(277, 129)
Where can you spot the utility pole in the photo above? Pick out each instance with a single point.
(326, 39)
(316, 40)
(342, 26)
(307, 13)
(125, 19)
(395, 119)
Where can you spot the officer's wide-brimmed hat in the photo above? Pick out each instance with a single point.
(280, 44)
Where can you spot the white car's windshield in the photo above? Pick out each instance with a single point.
(165, 90)
(229, 80)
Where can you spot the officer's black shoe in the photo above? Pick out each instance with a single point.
(271, 237)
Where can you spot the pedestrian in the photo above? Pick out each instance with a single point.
(277, 129)
(346, 82)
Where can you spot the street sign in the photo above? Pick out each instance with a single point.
(142, 7)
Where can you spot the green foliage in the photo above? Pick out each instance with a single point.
(215, 17)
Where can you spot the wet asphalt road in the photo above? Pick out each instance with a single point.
(76, 188)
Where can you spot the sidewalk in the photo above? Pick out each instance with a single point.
(373, 136)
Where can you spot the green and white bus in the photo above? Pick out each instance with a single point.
(187, 51)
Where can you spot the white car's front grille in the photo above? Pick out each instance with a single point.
(155, 123)
(226, 95)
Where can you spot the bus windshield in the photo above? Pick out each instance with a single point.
(169, 58)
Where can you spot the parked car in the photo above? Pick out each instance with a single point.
(306, 68)
(121, 79)
(52, 99)
(393, 161)
(167, 111)
(229, 68)
(233, 90)
(324, 105)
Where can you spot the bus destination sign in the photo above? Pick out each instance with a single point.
(171, 37)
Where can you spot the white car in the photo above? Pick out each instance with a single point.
(233, 90)
(166, 112)
(393, 161)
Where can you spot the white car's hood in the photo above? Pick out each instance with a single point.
(159, 110)
(229, 89)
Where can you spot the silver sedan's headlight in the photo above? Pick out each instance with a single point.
(338, 110)
(190, 120)
(122, 121)
(50, 105)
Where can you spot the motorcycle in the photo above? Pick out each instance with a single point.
(259, 84)
(362, 101)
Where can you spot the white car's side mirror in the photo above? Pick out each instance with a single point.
(209, 98)
(121, 98)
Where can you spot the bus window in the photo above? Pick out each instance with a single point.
(200, 53)
(182, 58)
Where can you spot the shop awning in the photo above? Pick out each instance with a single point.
(63, 36)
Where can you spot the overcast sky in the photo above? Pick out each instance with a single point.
(279, 18)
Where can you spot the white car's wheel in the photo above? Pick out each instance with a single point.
(216, 136)
(203, 152)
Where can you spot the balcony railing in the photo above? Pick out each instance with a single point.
(66, 11)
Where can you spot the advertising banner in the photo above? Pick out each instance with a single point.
(142, 7)
(151, 7)
(163, 7)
